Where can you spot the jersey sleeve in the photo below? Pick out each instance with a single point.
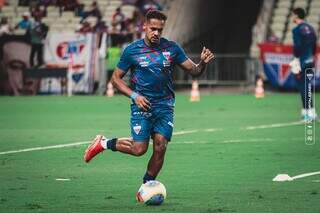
(296, 42)
(180, 54)
(310, 37)
(125, 61)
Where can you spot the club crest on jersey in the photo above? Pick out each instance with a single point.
(166, 55)
(137, 129)
(166, 63)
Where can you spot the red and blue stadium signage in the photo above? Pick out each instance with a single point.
(276, 59)
(64, 49)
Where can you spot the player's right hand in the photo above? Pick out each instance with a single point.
(142, 103)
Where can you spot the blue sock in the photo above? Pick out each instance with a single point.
(147, 177)
(111, 144)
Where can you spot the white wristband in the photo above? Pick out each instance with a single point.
(134, 95)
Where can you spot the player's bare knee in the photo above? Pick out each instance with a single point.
(160, 146)
(139, 150)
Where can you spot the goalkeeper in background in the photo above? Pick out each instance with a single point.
(304, 48)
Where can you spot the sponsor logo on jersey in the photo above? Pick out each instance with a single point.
(142, 61)
(145, 114)
(166, 63)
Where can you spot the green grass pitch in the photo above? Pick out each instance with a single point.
(214, 163)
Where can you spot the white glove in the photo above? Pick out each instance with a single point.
(295, 66)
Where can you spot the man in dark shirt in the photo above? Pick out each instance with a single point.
(304, 48)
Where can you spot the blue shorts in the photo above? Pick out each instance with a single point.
(156, 120)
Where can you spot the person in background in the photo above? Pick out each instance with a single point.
(137, 20)
(47, 3)
(146, 5)
(25, 23)
(112, 58)
(5, 28)
(85, 27)
(118, 19)
(38, 32)
(95, 11)
(304, 48)
(39, 11)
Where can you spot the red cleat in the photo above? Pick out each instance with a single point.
(94, 148)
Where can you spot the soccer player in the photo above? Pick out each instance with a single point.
(304, 48)
(151, 61)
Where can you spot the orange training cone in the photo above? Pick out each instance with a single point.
(110, 90)
(259, 91)
(195, 94)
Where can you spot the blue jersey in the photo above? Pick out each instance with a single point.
(304, 44)
(152, 69)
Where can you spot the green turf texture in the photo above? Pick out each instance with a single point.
(219, 167)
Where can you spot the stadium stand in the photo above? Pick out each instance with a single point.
(59, 17)
(83, 16)
(278, 26)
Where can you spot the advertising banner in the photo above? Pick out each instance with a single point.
(276, 59)
(75, 51)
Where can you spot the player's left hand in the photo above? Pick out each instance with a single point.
(206, 55)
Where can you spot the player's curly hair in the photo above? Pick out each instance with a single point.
(155, 14)
(299, 12)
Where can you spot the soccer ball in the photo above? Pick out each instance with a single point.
(151, 193)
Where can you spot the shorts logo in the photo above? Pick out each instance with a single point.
(137, 129)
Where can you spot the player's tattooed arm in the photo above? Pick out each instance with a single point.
(121, 85)
(197, 69)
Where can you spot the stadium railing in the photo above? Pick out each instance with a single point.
(225, 69)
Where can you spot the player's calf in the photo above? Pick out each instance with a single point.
(124, 145)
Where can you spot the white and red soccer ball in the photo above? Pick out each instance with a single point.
(152, 193)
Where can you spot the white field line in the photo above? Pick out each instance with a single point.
(45, 147)
(268, 126)
(62, 179)
(286, 177)
(74, 144)
(247, 140)
(185, 132)
(305, 175)
(192, 142)
(175, 133)
(212, 130)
